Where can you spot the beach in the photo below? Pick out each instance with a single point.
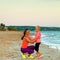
(10, 44)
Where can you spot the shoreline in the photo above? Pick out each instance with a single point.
(52, 46)
(10, 43)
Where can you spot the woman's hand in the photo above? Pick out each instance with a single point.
(30, 40)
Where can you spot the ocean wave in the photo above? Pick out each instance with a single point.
(51, 38)
(54, 46)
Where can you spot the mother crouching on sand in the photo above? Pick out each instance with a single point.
(25, 49)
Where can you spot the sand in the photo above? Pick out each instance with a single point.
(10, 43)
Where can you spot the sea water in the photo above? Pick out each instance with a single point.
(51, 38)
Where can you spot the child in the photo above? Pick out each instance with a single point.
(38, 41)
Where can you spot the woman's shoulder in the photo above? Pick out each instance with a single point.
(23, 39)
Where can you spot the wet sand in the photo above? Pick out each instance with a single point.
(10, 42)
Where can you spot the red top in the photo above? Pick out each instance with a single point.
(24, 43)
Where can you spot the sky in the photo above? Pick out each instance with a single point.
(30, 12)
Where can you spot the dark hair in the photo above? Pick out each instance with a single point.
(24, 34)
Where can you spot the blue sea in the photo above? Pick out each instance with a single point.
(51, 38)
(50, 35)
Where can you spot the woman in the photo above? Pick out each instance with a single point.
(25, 49)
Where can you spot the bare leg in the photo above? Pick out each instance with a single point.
(38, 54)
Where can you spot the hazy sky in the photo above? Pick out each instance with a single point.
(30, 12)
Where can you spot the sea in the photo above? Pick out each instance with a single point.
(50, 38)
(50, 35)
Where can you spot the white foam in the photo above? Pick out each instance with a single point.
(43, 35)
(54, 46)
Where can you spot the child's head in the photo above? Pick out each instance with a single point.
(26, 32)
(37, 28)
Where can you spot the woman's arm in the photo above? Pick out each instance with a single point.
(30, 41)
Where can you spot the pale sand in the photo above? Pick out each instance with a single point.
(10, 43)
